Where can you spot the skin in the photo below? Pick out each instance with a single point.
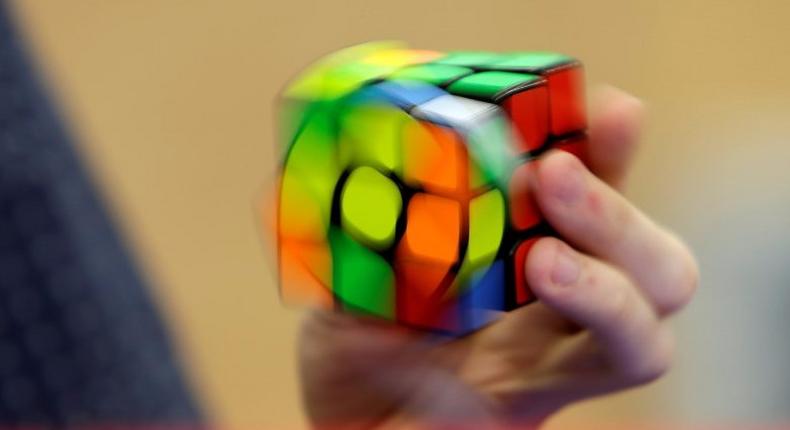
(605, 291)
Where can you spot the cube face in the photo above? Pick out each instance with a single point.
(524, 211)
(403, 193)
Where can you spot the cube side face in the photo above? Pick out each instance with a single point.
(566, 88)
(403, 193)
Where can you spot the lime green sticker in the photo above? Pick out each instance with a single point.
(348, 77)
(492, 86)
(530, 61)
(370, 205)
(371, 135)
(434, 74)
(486, 226)
(309, 175)
(362, 280)
(338, 73)
(486, 229)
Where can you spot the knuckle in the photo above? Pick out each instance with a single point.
(682, 280)
(613, 216)
(623, 312)
(656, 361)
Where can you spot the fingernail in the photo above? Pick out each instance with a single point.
(571, 187)
(565, 270)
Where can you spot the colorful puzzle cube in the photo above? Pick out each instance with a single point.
(403, 194)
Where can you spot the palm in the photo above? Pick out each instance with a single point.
(390, 374)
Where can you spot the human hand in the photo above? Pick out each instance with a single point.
(605, 290)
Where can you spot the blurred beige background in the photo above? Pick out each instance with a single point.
(172, 103)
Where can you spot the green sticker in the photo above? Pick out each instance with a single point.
(492, 86)
(468, 58)
(362, 280)
(530, 61)
(370, 206)
(434, 74)
(489, 144)
(477, 179)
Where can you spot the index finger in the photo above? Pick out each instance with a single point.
(615, 128)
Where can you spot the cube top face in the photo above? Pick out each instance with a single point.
(402, 193)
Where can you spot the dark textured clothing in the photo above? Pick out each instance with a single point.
(80, 338)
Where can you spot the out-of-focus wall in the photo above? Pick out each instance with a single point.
(173, 104)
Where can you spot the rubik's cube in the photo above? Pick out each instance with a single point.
(403, 192)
